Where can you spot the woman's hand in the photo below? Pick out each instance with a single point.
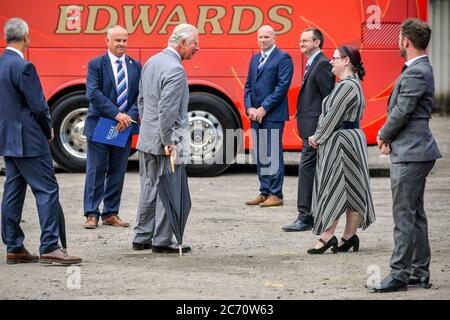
(312, 142)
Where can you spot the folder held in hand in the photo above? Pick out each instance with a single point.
(106, 133)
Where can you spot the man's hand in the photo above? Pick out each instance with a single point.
(171, 150)
(383, 146)
(260, 114)
(124, 121)
(312, 142)
(52, 136)
(252, 113)
(385, 149)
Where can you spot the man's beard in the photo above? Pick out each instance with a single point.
(402, 52)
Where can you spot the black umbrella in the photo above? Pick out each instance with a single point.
(62, 227)
(173, 191)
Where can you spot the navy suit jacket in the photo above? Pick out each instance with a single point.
(319, 82)
(25, 124)
(268, 87)
(102, 92)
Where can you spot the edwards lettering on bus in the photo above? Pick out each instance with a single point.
(149, 17)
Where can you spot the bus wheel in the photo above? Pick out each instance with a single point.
(209, 118)
(69, 144)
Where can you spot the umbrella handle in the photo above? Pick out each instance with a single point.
(172, 159)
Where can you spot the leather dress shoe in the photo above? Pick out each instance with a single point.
(272, 201)
(416, 282)
(297, 225)
(259, 199)
(141, 246)
(59, 256)
(115, 221)
(390, 284)
(91, 222)
(172, 248)
(23, 256)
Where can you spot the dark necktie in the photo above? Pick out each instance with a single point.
(404, 67)
(306, 72)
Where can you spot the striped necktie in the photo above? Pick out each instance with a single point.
(306, 72)
(262, 60)
(121, 87)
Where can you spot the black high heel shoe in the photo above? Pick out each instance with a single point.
(333, 242)
(347, 244)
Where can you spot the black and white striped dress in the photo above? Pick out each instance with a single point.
(342, 174)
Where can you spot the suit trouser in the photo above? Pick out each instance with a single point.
(152, 222)
(306, 172)
(269, 159)
(105, 173)
(411, 256)
(38, 173)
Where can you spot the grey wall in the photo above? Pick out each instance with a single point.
(438, 17)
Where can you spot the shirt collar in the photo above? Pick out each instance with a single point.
(268, 52)
(311, 59)
(20, 53)
(175, 51)
(114, 58)
(411, 61)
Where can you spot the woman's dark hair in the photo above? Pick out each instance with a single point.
(355, 58)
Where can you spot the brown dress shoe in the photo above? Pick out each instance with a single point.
(114, 220)
(59, 256)
(22, 256)
(259, 199)
(91, 222)
(272, 201)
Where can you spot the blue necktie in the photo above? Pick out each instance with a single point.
(121, 87)
(306, 71)
(262, 60)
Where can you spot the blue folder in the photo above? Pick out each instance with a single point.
(106, 133)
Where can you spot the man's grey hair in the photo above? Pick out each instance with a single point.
(111, 29)
(15, 30)
(181, 32)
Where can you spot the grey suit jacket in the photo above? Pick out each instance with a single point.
(163, 104)
(409, 111)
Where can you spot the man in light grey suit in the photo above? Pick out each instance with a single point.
(163, 109)
(407, 137)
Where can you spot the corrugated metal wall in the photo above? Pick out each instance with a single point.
(439, 16)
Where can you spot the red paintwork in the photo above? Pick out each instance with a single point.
(61, 59)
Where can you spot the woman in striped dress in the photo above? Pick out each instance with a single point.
(341, 182)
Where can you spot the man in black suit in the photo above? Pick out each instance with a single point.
(318, 82)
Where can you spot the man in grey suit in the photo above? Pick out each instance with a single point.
(163, 109)
(318, 82)
(407, 137)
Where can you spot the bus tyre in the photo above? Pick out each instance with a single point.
(209, 118)
(69, 144)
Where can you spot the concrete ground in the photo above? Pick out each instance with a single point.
(239, 252)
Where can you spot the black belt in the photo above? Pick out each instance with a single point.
(348, 125)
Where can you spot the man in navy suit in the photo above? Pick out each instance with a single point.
(318, 82)
(266, 102)
(25, 134)
(112, 88)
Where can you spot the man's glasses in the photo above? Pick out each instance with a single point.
(306, 40)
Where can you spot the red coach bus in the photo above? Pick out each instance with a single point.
(65, 35)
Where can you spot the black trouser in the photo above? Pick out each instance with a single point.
(306, 171)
